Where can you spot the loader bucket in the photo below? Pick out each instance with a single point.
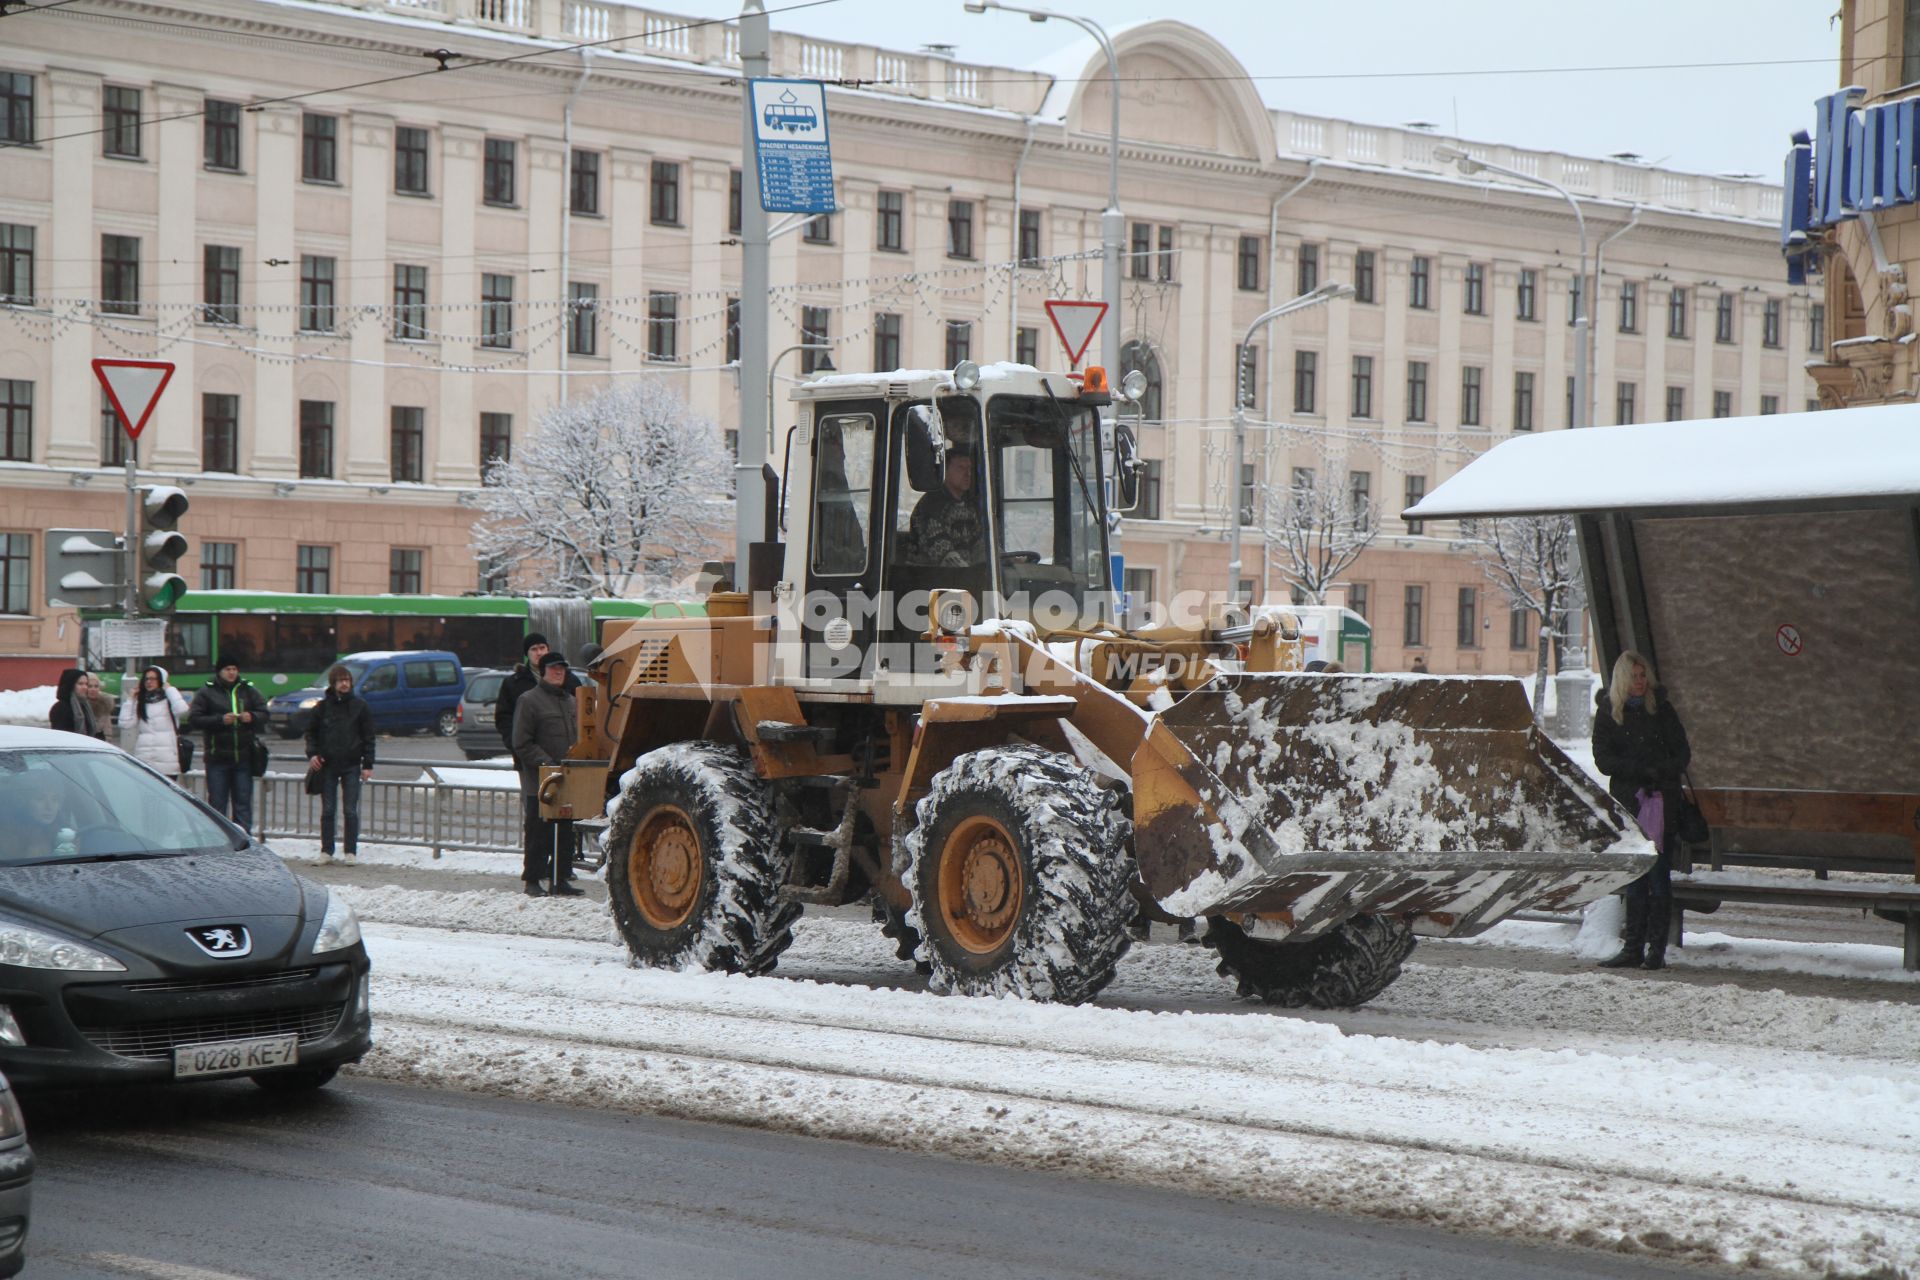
(1303, 800)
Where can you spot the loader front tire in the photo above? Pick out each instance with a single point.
(1019, 866)
(693, 867)
(1346, 966)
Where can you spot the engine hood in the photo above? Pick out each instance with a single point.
(88, 899)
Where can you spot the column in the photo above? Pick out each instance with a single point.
(171, 441)
(625, 327)
(454, 442)
(273, 413)
(706, 324)
(541, 315)
(71, 275)
(367, 280)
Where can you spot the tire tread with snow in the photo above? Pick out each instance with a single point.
(1346, 966)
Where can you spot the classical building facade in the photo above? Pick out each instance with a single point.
(373, 273)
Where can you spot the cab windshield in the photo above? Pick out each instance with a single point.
(1047, 521)
(97, 806)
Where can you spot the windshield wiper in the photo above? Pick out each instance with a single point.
(130, 855)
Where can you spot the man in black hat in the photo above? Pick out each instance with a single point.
(544, 729)
(524, 677)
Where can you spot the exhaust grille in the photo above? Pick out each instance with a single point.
(650, 664)
(223, 984)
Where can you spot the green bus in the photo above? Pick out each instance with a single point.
(286, 640)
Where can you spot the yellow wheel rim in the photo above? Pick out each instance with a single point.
(664, 867)
(981, 884)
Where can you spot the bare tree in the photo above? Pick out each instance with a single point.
(612, 492)
(1534, 562)
(1314, 533)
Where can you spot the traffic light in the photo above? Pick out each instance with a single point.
(86, 569)
(161, 506)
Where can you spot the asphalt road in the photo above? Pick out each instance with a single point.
(222, 1182)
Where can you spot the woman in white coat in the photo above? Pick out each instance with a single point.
(150, 722)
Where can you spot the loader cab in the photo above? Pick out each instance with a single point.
(994, 490)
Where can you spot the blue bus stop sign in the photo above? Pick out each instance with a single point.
(790, 146)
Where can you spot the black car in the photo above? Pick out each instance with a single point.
(144, 938)
(16, 1183)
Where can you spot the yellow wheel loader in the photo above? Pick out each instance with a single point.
(921, 697)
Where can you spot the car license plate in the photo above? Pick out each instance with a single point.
(236, 1057)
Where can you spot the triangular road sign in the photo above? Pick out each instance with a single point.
(133, 387)
(1075, 322)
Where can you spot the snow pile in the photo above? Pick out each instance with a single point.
(27, 706)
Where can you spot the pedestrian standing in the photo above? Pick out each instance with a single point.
(545, 727)
(1639, 743)
(340, 749)
(232, 714)
(524, 676)
(1420, 664)
(151, 721)
(102, 705)
(72, 710)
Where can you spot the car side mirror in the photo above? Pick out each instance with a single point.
(1127, 467)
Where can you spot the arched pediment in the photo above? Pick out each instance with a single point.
(1178, 87)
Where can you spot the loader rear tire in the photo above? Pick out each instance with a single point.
(906, 939)
(693, 868)
(1347, 966)
(1019, 868)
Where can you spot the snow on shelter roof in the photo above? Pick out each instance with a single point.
(1865, 453)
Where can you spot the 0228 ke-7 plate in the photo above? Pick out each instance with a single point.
(236, 1057)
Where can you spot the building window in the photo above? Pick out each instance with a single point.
(1249, 486)
(583, 319)
(819, 229)
(1140, 251)
(16, 107)
(316, 293)
(496, 309)
(219, 433)
(1026, 346)
(886, 341)
(121, 116)
(1362, 387)
(220, 135)
(584, 191)
(1420, 284)
(663, 326)
(1148, 507)
(1249, 262)
(1360, 498)
(120, 275)
(319, 148)
(1770, 324)
(1523, 401)
(1816, 320)
(1029, 248)
(1136, 354)
(890, 221)
(496, 439)
(1571, 420)
(408, 441)
(664, 206)
(736, 185)
(1470, 396)
(733, 330)
(959, 341)
(1723, 404)
(1466, 632)
(1624, 394)
(1476, 289)
(316, 439)
(1306, 370)
(16, 420)
(1357, 598)
(1723, 319)
(410, 161)
(816, 331)
(1518, 628)
(217, 565)
(1246, 360)
(1307, 273)
(1769, 404)
(16, 264)
(403, 571)
(1416, 391)
(1416, 490)
(313, 574)
(1576, 299)
(1166, 253)
(1364, 276)
(959, 228)
(498, 183)
(1629, 307)
(1415, 605)
(409, 304)
(113, 437)
(1676, 404)
(1677, 313)
(1527, 295)
(220, 284)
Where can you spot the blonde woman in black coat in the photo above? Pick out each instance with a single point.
(1639, 744)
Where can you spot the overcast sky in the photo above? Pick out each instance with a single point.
(1369, 60)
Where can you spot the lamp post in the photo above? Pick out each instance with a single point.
(773, 369)
(1468, 167)
(1326, 292)
(1112, 224)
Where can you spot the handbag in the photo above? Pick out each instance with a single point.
(257, 757)
(181, 743)
(316, 780)
(1692, 827)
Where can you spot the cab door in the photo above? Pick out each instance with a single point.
(843, 538)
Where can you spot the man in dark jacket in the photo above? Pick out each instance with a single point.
(523, 677)
(231, 713)
(340, 748)
(544, 728)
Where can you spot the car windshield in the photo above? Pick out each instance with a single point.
(483, 688)
(97, 806)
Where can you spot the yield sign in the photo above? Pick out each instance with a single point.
(133, 388)
(1075, 323)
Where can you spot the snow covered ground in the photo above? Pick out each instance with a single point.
(26, 706)
(1681, 1119)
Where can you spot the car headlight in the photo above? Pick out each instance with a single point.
(12, 1123)
(308, 704)
(339, 927)
(26, 948)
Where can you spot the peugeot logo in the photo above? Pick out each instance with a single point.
(222, 941)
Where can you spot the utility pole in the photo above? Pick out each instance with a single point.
(749, 509)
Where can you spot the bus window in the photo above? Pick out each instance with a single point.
(360, 634)
(246, 639)
(482, 642)
(189, 645)
(304, 642)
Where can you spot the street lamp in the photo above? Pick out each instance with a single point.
(1468, 167)
(1112, 225)
(1326, 292)
(773, 373)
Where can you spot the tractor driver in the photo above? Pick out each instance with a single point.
(946, 528)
